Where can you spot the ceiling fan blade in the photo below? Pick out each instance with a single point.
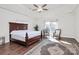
(34, 9)
(35, 5)
(45, 9)
(44, 5)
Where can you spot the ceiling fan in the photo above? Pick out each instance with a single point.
(40, 8)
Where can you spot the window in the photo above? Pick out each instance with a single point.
(51, 26)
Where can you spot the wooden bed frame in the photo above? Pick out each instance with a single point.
(20, 26)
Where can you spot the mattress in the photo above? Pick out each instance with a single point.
(21, 34)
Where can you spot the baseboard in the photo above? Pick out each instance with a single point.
(72, 38)
(77, 39)
(6, 41)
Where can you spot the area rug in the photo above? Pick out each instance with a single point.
(49, 47)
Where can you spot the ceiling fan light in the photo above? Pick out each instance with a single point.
(39, 10)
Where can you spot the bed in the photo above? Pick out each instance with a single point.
(19, 33)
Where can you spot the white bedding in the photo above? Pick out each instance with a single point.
(21, 34)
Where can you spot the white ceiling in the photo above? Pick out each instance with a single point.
(53, 9)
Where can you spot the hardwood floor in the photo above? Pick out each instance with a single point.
(14, 49)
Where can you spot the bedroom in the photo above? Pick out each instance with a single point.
(66, 15)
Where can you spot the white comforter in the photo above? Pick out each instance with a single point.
(21, 34)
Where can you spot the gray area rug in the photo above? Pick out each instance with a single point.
(55, 47)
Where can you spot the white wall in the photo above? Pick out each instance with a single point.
(7, 16)
(65, 23)
(63, 13)
(22, 14)
(77, 23)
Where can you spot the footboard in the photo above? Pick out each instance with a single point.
(30, 41)
(33, 40)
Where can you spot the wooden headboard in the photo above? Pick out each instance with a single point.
(17, 26)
